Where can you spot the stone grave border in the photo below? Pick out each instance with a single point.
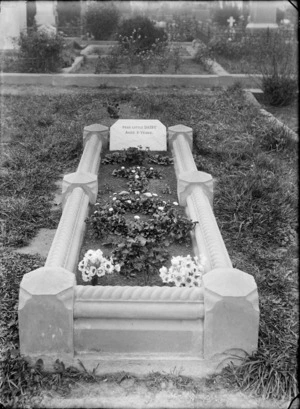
(141, 328)
(219, 78)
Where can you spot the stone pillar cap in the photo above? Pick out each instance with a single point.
(95, 128)
(229, 282)
(180, 128)
(47, 281)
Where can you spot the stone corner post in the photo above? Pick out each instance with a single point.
(231, 312)
(45, 312)
(187, 181)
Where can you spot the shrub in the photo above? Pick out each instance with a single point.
(221, 16)
(141, 30)
(203, 55)
(279, 90)
(40, 52)
(277, 61)
(102, 20)
(227, 48)
(184, 29)
(111, 62)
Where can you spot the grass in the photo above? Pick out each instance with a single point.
(255, 203)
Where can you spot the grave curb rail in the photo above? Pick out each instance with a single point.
(161, 310)
(250, 98)
(128, 80)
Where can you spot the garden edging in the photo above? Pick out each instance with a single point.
(129, 80)
(250, 98)
(141, 327)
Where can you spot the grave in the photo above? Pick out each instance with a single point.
(133, 327)
(148, 133)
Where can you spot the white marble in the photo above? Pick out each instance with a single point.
(126, 133)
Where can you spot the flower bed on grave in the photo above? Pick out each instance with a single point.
(137, 233)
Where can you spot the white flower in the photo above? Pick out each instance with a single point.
(151, 168)
(161, 208)
(175, 262)
(128, 201)
(114, 198)
(89, 253)
(137, 176)
(86, 276)
(137, 192)
(148, 194)
(111, 209)
(101, 271)
(122, 168)
(175, 203)
(138, 167)
(133, 171)
(137, 217)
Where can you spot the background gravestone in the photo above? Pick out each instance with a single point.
(12, 22)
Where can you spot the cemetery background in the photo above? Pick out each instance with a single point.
(44, 121)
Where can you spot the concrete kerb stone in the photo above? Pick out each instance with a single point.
(87, 181)
(231, 312)
(198, 198)
(250, 98)
(75, 66)
(186, 182)
(280, 125)
(128, 80)
(45, 312)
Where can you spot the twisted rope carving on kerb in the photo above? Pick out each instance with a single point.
(118, 293)
(65, 237)
(207, 232)
(90, 158)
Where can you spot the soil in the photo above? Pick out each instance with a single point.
(165, 188)
(188, 67)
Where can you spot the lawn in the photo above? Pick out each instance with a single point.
(255, 204)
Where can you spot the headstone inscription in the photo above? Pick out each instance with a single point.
(147, 133)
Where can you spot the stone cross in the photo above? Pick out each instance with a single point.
(231, 20)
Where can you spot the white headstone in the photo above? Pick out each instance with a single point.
(126, 133)
(12, 22)
(45, 16)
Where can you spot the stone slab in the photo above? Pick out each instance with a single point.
(148, 133)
